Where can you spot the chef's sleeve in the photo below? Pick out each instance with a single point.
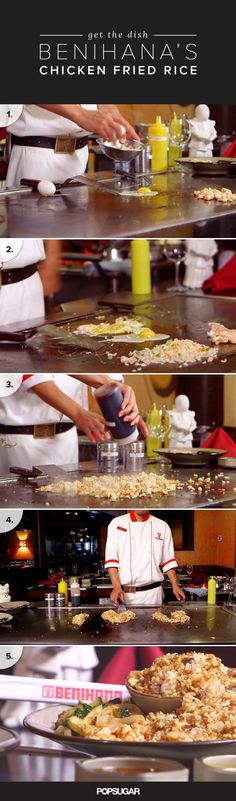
(111, 552)
(168, 556)
(31, 380)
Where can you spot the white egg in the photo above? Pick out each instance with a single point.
(46, 188)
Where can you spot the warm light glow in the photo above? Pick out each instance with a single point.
(20, 545)
(22, 535)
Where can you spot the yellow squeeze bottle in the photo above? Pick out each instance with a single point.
(211, 594)
(63, 588)
(141, 267)
(157, 139)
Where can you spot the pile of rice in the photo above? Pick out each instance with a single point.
(175, 351)
(114, 487)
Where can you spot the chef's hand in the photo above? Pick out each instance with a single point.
(115, 594)
(107, 124)
(178, 592)
(50, 278)
(129, 409)
(93, 425)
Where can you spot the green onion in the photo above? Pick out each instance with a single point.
(80, 713)
(114, 701)
(124, 713)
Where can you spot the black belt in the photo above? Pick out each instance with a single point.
(45, 141)
(142, 588)
(58, 427)
(19, 274)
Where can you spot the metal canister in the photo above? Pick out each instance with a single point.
(143, 161)
(50, 599)
(133, 457)
(60, 599)
(108, 456)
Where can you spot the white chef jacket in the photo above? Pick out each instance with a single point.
(23, 300)
(141, 552)
(39, 163)
(26, 408)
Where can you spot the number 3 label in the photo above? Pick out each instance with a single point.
(9, 113)
(9, 519)
(9, 383)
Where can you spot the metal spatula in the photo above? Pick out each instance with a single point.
(61, 338)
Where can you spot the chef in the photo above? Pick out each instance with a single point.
(38, 423)
(49, 141)
(139, 551)
(27, 278)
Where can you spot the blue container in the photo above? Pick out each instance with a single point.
(110, 400)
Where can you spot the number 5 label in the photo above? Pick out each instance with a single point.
(9, 655)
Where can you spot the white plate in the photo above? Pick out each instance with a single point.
(42, 722)
(132, 338)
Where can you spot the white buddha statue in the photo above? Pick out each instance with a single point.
(183, 423)
(203, 133)
(199, 261)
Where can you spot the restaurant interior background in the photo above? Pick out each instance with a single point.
(104, 267)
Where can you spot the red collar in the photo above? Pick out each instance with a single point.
(134, 518)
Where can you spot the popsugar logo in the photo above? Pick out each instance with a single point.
(118, 790)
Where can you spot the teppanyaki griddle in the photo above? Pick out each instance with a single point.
(23, 494)
(216, 625)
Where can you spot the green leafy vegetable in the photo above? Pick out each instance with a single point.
(124, 713)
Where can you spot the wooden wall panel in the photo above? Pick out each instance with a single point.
(143, 112)
(230, 400)
(208, 524)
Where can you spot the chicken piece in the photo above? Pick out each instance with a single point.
(218, 333)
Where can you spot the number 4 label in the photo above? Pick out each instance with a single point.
(9, 519)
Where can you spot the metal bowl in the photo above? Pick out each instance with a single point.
(130, 150)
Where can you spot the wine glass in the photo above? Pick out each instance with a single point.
(179, 132)
(174, 250)
(230, 587)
